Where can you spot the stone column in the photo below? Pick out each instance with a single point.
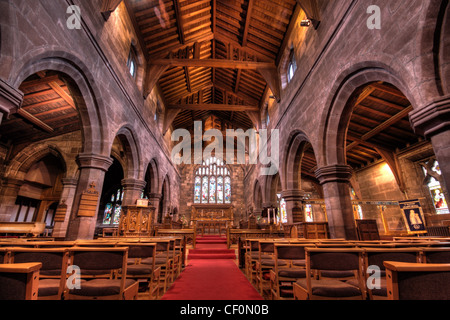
(154, 199)
(8, 195)
(92, 172)
(10, 100)
(433, 122)
(68, 196)
(132, 191)
(294, 199)
(335, 181)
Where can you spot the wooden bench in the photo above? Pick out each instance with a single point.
(22, 228)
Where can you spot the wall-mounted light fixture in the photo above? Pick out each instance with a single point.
(309, 22)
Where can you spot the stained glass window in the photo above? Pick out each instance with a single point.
(220, 190)
(113, 209)
(212, 182)
(227, 190)
(198, 190)
(205, 190)
(212, 189)
(437, 195)
(309, 213)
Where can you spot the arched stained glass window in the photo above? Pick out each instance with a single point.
(212, 182)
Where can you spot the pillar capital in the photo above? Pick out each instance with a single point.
(295, 195)
(155, 196)
(69, 182)
(94, 161)
(133, 184)
(334, 173)
(433, 118)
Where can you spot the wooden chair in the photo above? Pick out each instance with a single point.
(53, 273)
(146, 274)
(251, 257)
(19, 281)
(337, 259)
(376, 257)
(104, 260)
(417, 281)
(163, 260)
(265, 263)
(285, 274)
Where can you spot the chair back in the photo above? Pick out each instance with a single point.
(139, 250)
(338, 259)
(54, 260)
(436, 255)
(377, 256)
(99, 259)
(291, 251)
(266, 247)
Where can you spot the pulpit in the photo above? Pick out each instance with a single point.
(136, 221)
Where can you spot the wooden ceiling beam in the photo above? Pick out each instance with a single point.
(213, 107)
(214, 63)
(177, 8)
(28, 116)
(399, 116)
(247, 23)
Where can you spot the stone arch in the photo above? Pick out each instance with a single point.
(165, 201)
(272, 186)
(434, 44)
(26, 158)
(444, 50)
(337, 116)
(82, 86)
(295, 147)
(131, 157)
(257, 196)
(152, 177)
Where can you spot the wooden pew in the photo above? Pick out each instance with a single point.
(19, 281)
(22, 228)
(417, 281)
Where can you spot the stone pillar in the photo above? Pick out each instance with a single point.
(132, 191)
(335, 181)
(10, 100)
(92, 171)
(154, 199)
(8, 195)
(433, 122)
(68, 196)
(294, 199)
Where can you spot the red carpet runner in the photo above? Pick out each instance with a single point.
(212, 274)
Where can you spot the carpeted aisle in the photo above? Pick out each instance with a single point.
(212, 274)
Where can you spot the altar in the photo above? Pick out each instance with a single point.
(207, 218)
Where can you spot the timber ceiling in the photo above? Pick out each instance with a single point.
(379, 125)
(48, 110)
(238, 30)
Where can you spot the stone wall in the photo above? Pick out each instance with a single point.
(35, 37)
